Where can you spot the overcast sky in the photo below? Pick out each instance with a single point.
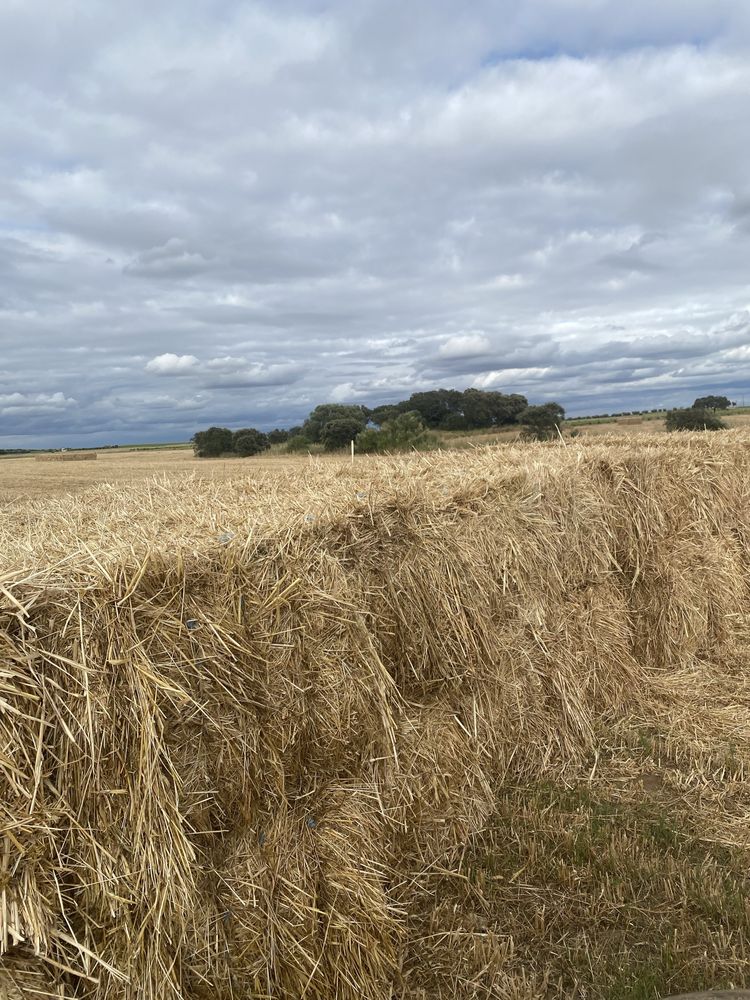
(220, 212)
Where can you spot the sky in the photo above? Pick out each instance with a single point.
(227, 213)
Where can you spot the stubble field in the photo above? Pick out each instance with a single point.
(26, 478)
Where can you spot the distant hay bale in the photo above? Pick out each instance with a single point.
(67, 456)
(225, 765)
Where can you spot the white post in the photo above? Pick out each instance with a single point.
(352, 451)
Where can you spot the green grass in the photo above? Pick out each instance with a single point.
(604, 898)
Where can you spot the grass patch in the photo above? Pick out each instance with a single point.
(600, 897)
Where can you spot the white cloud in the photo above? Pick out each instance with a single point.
(173, 364)
(22, 403)
(510, 377)
(465, 345)
(225, 372)
(504, 281)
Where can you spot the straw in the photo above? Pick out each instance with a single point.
(242, 727)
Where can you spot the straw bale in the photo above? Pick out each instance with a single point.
(237, 722)
(22, 977)
(68, 456)
(308, 886)
(441, 791)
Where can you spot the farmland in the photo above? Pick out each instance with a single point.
(457, 725)
(23, 478)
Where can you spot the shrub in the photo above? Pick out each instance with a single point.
(213, 442)
(249, 441)
(337, 434)
(298, 443)
(541, 423)
(277, 436)
(694, 419)
(406, 432)
(367, 442)
(454, 422)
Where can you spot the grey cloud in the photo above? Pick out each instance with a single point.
(173, 259)
(633, 257)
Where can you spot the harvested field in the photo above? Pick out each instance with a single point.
(67, 456)
(456, 726)
(23, 479)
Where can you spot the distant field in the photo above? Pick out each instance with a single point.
(25, 478)
(649, 423)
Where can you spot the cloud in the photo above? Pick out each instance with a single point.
(466, 345)
(254, 375)
(225, 372)
(173, 364)
(30, 404)
(262, 206)
(173, 259)
(633, 258)
(508, 281)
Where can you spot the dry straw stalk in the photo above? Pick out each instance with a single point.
(245, 726)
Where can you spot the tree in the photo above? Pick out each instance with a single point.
(477, 410)
(491, 409)
(712, 403)
(506, 407)
(327, 412)
(434, 406)
(406, 432)
(382, 414)
(454, 422)
(277, 436)
(340, 433)
(248, 442)
(213, 442)
(694, 419)
(540, 423)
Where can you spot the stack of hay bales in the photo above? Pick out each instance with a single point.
(67, 456)
(223, 763)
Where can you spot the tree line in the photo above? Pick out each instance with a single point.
(393, 426)
(413, 422)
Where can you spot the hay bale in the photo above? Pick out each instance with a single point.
(223, 765)
(630, 421)
(67, 456)
(309, 886)
(23, 977)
